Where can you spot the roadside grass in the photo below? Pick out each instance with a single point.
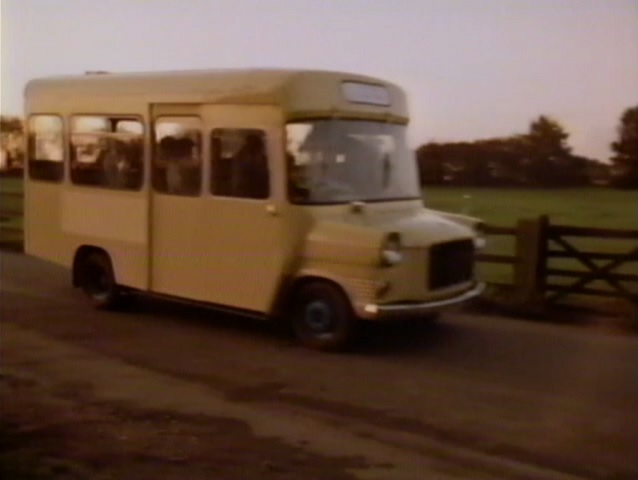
(10, 224)
(10, 184)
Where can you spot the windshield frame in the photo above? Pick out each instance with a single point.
(404, 154)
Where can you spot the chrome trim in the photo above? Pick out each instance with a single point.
(380, 312)
(480, 243)
(390, 258)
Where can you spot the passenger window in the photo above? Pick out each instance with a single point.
(239, 163)
(107, 152)
(177, 165)
(46, 148)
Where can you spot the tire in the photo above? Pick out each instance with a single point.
(98, 281)
(322, 317)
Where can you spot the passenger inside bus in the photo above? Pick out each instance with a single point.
(122, 165)
(251, 174)
(240, 164)
(179, 158)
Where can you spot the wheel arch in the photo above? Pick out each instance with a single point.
(285, 299)
(81, 253)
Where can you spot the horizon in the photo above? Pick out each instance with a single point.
(470, 72)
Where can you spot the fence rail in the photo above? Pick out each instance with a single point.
(495, 230)
(499, 230)
(593, 232)
(496, 258)
(12, 194)
(538, 244)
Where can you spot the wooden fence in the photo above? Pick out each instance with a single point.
(539, 246)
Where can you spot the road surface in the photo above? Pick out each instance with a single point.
(466, 397)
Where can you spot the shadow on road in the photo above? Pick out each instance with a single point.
(201, 316)
(403, 337)
(397, 337)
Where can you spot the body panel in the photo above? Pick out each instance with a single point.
(222, 249)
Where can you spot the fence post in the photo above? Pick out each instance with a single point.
(531, 261)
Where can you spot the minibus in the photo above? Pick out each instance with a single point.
(290, 194)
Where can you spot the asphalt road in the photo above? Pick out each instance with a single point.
(508, 398)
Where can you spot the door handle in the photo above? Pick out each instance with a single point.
(272, 210)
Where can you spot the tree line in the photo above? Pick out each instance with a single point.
(541, 157)
(11, 143)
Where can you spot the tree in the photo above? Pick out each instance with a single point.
(11, 131)
(548, 137)
(548, 157)
(625, 159)
(540, 157)
(10, 124)
(430, 159)
(505, 160)
(456, 163)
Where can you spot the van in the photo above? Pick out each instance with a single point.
(289, 194)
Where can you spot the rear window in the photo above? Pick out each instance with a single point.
(45, 150)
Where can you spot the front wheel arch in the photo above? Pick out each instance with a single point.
(310, 296)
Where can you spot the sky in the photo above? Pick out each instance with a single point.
(472, 68)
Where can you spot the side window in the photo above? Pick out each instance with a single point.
(46, 148)
(177, 163)
(107, 152)
(239, 163)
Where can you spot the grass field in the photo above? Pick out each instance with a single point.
(586, 207)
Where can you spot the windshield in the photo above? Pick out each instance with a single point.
(338, 161)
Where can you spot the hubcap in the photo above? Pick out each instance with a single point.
(318, 316)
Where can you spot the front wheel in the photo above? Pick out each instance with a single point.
(322, 317)
(98, 281)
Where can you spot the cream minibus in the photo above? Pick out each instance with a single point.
(285, 193)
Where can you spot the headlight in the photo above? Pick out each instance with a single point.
(479, 243)
(391, 250)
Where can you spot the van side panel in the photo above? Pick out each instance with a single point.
(43, 236)
(114, 221)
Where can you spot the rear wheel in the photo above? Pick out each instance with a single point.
(322, 317)
(98, 281)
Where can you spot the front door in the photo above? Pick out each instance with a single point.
(218, 222)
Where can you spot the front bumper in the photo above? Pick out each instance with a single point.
(374, 311)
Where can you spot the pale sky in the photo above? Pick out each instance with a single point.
(472, 68)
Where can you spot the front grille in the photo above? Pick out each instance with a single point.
(451, 263)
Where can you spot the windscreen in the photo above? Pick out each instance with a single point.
(341, 161)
